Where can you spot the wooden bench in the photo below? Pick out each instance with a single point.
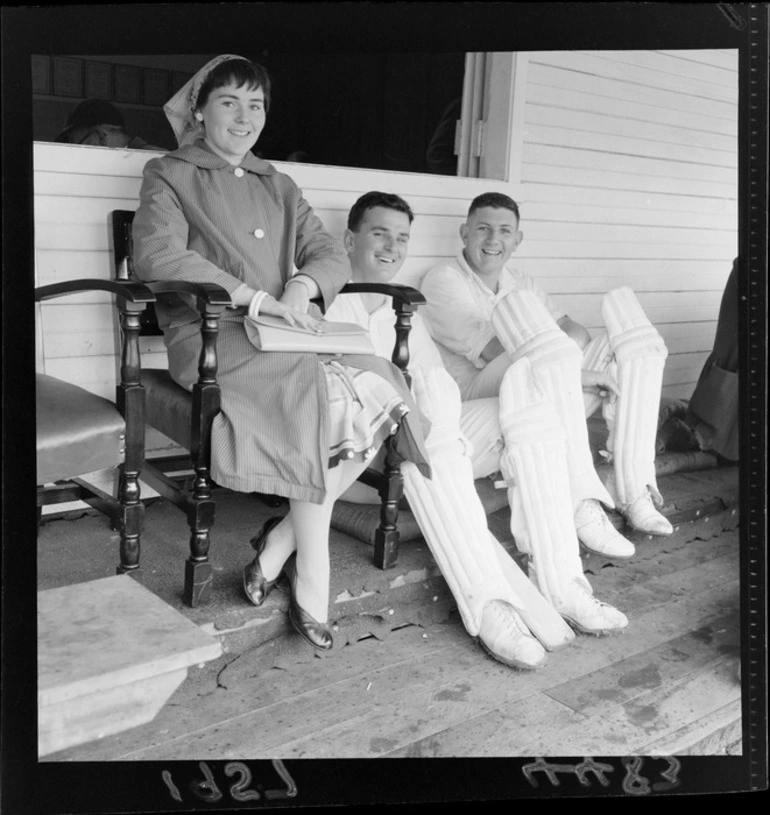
(110, 654)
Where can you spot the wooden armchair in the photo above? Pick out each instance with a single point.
(186, 418)
(79, 433)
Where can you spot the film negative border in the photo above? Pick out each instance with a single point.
(753, 319)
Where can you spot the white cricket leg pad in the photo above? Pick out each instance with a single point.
(447, 506)
(480, 424)
(534, 461)
(641, 354)
(527, 330)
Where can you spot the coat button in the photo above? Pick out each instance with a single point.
(238, 172)
(259, 233)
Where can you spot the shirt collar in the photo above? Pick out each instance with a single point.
(506, 277)
(201, 155)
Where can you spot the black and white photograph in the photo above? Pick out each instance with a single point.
(389, 403)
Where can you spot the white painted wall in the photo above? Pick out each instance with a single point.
(627, 175)
(624, 164)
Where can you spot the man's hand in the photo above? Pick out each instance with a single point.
(575, 331)
(599, 382)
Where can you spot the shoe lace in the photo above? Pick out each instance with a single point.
(586, 598)
(644, 503)
(507, 615)
(591, 511)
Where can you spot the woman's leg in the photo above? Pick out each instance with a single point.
(306, 529)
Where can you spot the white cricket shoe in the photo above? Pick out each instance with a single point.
(505, 637)
(597, 534)
(642, 515)
(588, 615)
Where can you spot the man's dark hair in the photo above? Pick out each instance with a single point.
(496, 200)
(376, 199)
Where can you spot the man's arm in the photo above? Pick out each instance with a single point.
(575, 331)
(452, 316)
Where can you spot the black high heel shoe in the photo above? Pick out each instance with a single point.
(254, 583)
(317, 634)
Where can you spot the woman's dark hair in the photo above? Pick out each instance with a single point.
(238, 72)
(376, 199)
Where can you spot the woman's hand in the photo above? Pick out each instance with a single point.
(299, 291)
(293, 316)
(296, 297)
(599, 382)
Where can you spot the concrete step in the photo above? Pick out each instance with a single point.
(110, 654)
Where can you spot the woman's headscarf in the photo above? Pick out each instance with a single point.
(180, 108)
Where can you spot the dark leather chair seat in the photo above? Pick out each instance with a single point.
(77, 431)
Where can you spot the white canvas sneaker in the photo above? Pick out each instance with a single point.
(597, 534)
(642, 515)
(505, 637)
(588, 615)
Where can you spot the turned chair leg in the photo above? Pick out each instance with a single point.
(386, 535)
(129, 520)
(198, 571)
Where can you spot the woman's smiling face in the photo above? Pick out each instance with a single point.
(233, 119)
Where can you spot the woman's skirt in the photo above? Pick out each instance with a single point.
(286, 418)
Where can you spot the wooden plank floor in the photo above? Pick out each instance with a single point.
(668, 685)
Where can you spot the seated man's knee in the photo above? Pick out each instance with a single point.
(631, 333)
(526, 328)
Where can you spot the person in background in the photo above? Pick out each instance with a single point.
(299, 425)
(101, 124)
(484, 316)
(713, 408)
(440, 157)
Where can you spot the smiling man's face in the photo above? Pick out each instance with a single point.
(378, 248)
(490, 236)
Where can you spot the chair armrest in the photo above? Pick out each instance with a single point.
(208, 294)
(405, 295)
(128, 290)
(405, 300)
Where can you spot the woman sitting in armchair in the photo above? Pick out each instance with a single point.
(300, 425)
